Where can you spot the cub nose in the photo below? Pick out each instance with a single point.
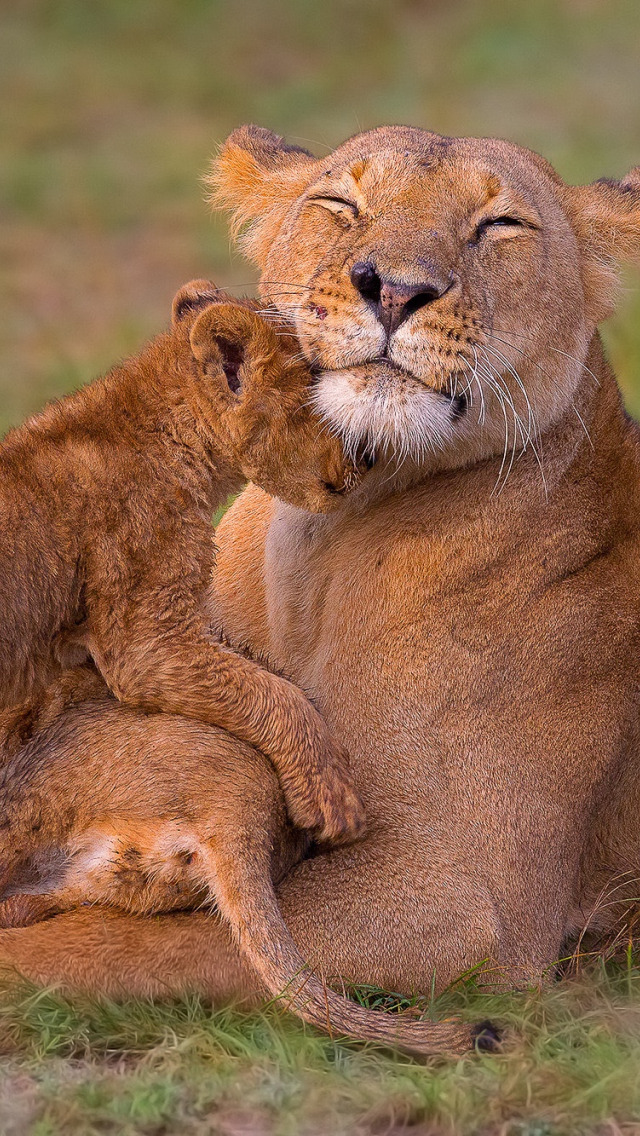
(392, 300)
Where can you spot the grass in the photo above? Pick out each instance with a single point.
(109, 111)
(570, 1066)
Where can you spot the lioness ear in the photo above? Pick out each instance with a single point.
(606, 219)
(257, 175)
(193, 297)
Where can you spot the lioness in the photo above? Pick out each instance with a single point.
(106, 500)
(468, 620)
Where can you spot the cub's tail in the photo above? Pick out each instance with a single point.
(239, 875)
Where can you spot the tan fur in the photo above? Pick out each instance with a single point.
(468, 625)
(106, 539)
(187, 817)
(183, 816)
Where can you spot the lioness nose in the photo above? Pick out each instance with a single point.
(392, 300)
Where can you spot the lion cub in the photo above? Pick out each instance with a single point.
(106, 538)
(188, 816)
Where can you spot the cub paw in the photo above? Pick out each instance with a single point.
(331, 808)
(342, 473)
(343, 815)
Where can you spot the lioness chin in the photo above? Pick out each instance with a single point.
(468, 620)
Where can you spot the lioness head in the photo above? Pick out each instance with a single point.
(444, 290)
(251, 397)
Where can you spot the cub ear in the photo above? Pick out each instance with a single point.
(231, 342)
(606, 219)
(257, 175)
(192, 298)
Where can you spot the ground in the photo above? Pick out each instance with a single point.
(109, 112)
(570, 1066)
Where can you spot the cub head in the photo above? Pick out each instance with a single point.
(444, 290)
(251, 394)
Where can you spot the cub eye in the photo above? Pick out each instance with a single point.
(337, 205)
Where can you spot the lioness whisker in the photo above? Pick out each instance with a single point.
(527, 438)
(536, 440)
(556, 350)
(499, 381)
(285, 284)
(468, 392)
(583, 424)
(512, 371)
(501, 402)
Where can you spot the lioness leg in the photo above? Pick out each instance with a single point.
(337, 906)
(100, 951)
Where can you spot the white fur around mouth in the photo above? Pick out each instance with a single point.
(384, 412)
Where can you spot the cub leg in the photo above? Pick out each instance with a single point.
(101, 786)
(138, 867)
(170, 662)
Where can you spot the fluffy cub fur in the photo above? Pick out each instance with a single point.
(105, 535)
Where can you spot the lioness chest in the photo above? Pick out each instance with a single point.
(449, 640)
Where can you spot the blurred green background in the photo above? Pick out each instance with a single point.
(110, 110)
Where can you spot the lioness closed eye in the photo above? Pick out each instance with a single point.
(105, 535)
